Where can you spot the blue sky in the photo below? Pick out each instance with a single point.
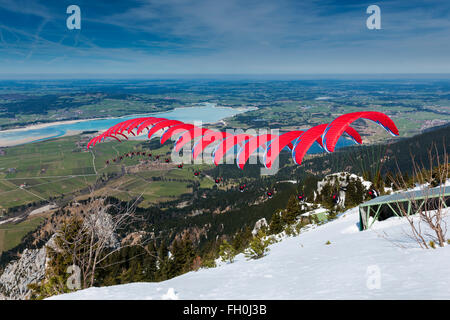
(224, 37)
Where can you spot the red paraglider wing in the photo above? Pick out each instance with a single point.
(227, 144)
(335, 129)
(116, 129)
(174, 129)
(190, 135)
(327, 135)
(278, 144)
(307, 139)
(99, 139)
(123, 126)
(113, 128)
(147, 123)
(91, 142)
(135, 123)
(353, 134)
(206, 140)
(121, 135)
(305, 142)
(161, 125)
(253, 144)
(115, 138)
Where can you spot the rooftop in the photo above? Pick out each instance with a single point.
(405, 196)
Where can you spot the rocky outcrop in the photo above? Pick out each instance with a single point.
(340, 181)
(30, 268)
(259, 224)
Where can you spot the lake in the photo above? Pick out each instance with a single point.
(207, 113)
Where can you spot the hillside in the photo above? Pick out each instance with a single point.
(208, 215)
(380, 263)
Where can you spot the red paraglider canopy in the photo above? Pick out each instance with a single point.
(335, 129)
(174, 129)
(206, 140)
(227, 144)
(188, 136)
(123, 125)
(135, 123)
(314, 134)
(253, 144)
(149, 122)
(326, 135)
(278, 144)
(161, 125)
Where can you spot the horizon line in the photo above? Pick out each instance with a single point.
(211, 76)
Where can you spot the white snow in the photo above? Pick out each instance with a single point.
(379, 263)
(170, 295)
(315, 211)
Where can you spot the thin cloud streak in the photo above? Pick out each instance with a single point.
(211, 36)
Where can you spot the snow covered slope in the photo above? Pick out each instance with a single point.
(381, 263)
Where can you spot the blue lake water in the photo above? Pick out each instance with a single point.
(207, 113)
(342, 142)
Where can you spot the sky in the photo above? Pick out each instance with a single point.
(223, 37)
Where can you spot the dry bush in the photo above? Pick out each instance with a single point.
(429, 207)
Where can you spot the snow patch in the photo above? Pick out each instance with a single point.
(304, 267)
(170, 295)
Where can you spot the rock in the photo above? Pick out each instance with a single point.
(30, 268)
(259, 224)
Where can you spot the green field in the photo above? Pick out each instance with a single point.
(12, 234)
(62, 167)
(48, 169)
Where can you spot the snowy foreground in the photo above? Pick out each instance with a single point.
(381, 263)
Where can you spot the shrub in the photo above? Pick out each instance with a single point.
(332, 214)
(209, 263)
(314, 219)
(259, 245)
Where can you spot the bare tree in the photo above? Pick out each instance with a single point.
(90, 235)
(429, 202)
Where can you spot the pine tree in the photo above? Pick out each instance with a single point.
(259, 245)
(292, 211)
(188, 255)
(242, 239)
(177, 261)
(355, 193)
(325, 195)
(150, 263)
(276, 225)
(227, 252)
(162, 262)
(209, 259)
